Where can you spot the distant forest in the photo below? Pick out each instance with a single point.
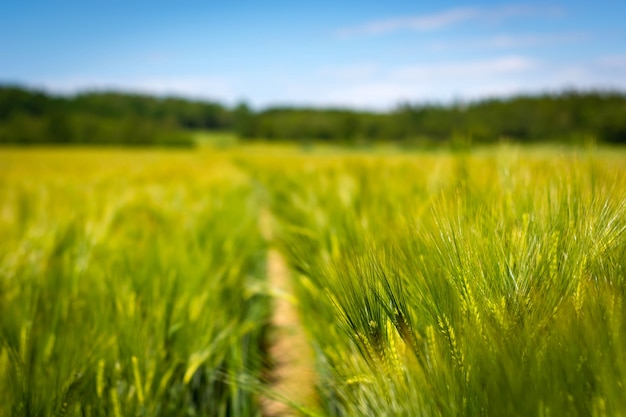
(112, 118)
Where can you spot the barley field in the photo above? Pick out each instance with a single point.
(488, 282)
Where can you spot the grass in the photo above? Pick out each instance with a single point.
(215, 139)
(489, 282)
(131, 284)
(481, 284)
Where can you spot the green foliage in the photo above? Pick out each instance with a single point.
(486, 284)
(31, 117)
(110, 118)
(467, 283)
(135, 297)
(568, 117)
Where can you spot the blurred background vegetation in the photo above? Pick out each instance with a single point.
(29, 117)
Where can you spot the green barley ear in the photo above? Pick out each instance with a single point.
(370, 353)
(24, 343)
(470, 305)
(115, 401)
(100, 378)
(432, 346)
(579, 298)
(455, 352)
(404, 330)
(395, 349)
(147, 387)
(498, 312)
(359, 379)
(553, 256)
(375, 335)
(137, 376)
(579, 294)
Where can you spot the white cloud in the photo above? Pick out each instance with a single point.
(509, 41)
(465, 69)
(468, 80)
(513, 41)
(613, 62)
(605, 72)
(416, 23)
(441, 20)
(380, 87)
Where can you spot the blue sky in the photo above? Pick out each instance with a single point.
(343, 53)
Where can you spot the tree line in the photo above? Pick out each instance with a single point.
(104, 118)
(567, 117)
(114, 118)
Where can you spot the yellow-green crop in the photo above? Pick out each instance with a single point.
(489, 283)
(129, 285)
(483, 283)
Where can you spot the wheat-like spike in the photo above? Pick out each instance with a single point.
(147, 387)
(497, 310)
(472, 306)
(552, 256)
(115, 401)
(372, 356)
(393, 356)
(23, 343)
(579, 299)
(432, 346)
(100, 378)
(405, 332)
(448, 330)
(376, 340)
(579, 294)
(464, 305)
(358, 379)
(137, 376)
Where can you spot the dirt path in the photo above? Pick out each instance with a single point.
(293, 375)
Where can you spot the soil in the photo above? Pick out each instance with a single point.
(292, 377)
